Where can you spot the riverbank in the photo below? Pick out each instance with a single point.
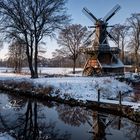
(76, 91)
(79, 88)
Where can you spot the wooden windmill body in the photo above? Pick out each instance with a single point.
(102, 59)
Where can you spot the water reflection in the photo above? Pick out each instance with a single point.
(27, 119)
(74, 116)
(26, 125)
(99, 123)
(136, 95)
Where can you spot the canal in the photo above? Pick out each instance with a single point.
(29, 119)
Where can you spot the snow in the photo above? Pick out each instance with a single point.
(133, 105)
(11, 75)
(44, 70)
(85, 88)
(79, 88)
(53, 70)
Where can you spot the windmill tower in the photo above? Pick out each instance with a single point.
(102, 59)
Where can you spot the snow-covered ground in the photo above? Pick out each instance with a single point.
(80, 88)
(85, 88)
(46, 70)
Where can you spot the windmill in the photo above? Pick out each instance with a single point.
(102, 58)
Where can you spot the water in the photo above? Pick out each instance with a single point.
(28, 119)
(136, 93)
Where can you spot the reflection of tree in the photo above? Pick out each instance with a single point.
(28, 126)
(74, 116)
(30, 130)
(24, 127)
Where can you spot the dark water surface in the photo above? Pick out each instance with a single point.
(28, 119)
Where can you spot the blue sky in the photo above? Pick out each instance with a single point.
(99, 8)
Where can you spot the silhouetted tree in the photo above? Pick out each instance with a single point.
(134, 23)
(120, 33)
(16, 55)
(71, 39)
(29, 21)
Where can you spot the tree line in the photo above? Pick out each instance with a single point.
(25, 24)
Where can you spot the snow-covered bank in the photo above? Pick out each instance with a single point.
(84, 88)
(78, 88)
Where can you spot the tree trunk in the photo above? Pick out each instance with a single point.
(122, 55)
(74, 65)
(29, 53)
(36, 60)
(30, 62)
(31, 68)
(136, 61)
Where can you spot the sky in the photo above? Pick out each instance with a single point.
(99, 8)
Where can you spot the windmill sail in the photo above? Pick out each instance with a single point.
(111, 12)
(89, 15)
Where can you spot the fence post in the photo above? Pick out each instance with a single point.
(120, 98)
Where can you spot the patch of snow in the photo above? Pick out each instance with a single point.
(135, 106)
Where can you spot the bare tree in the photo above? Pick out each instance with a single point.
(134, 23)
(16, 55)
(71, 39)
(30, 21)
(120, 33)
